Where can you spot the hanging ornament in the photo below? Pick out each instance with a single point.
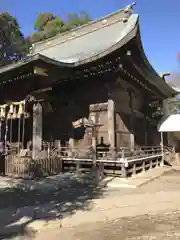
(20, 110)
(10, 113)
(14, 115)
(2, 112)
(11, 109)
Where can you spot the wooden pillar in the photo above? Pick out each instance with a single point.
(111, 125)
(93, 118)
(37, 130)
(132, 140)
(165, 107)
(1, 138)
(145, 132)
(166, 112)
(162, 150)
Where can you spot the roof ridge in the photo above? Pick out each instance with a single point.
(78, 36)
(82, 26)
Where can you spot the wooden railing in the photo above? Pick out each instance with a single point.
(123, 162)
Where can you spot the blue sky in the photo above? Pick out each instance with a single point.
(159, 22)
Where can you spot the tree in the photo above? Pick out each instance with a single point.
(13, 45)
(48, 25)
(37, 36)
(54, 27)
(42, 20)
(75, 20)
(174, 103)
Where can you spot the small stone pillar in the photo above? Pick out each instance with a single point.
(37, 130)
(132, 142)
(111, 126)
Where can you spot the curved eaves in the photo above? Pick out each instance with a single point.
(128, 33)
(152, 76)
(94, 45)
(32, 59)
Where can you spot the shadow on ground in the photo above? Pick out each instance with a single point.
(20, 207)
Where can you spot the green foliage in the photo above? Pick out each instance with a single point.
(13, 45)
(75, 20)
(42, 20)
(48, 25)
(174, 105)
(54, 27)
(37, 36)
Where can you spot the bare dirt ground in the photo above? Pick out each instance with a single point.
(160, 225)
(163, 226)
(140, 222)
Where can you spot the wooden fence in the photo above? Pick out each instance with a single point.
(26, 167)
(123, 162)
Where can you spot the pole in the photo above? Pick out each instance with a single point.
(111, 126)
(19, 133)
(162, 150)
(93, 117)
(1, 140)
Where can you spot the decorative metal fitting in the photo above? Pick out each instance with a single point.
(129, 8)
(124, 20)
